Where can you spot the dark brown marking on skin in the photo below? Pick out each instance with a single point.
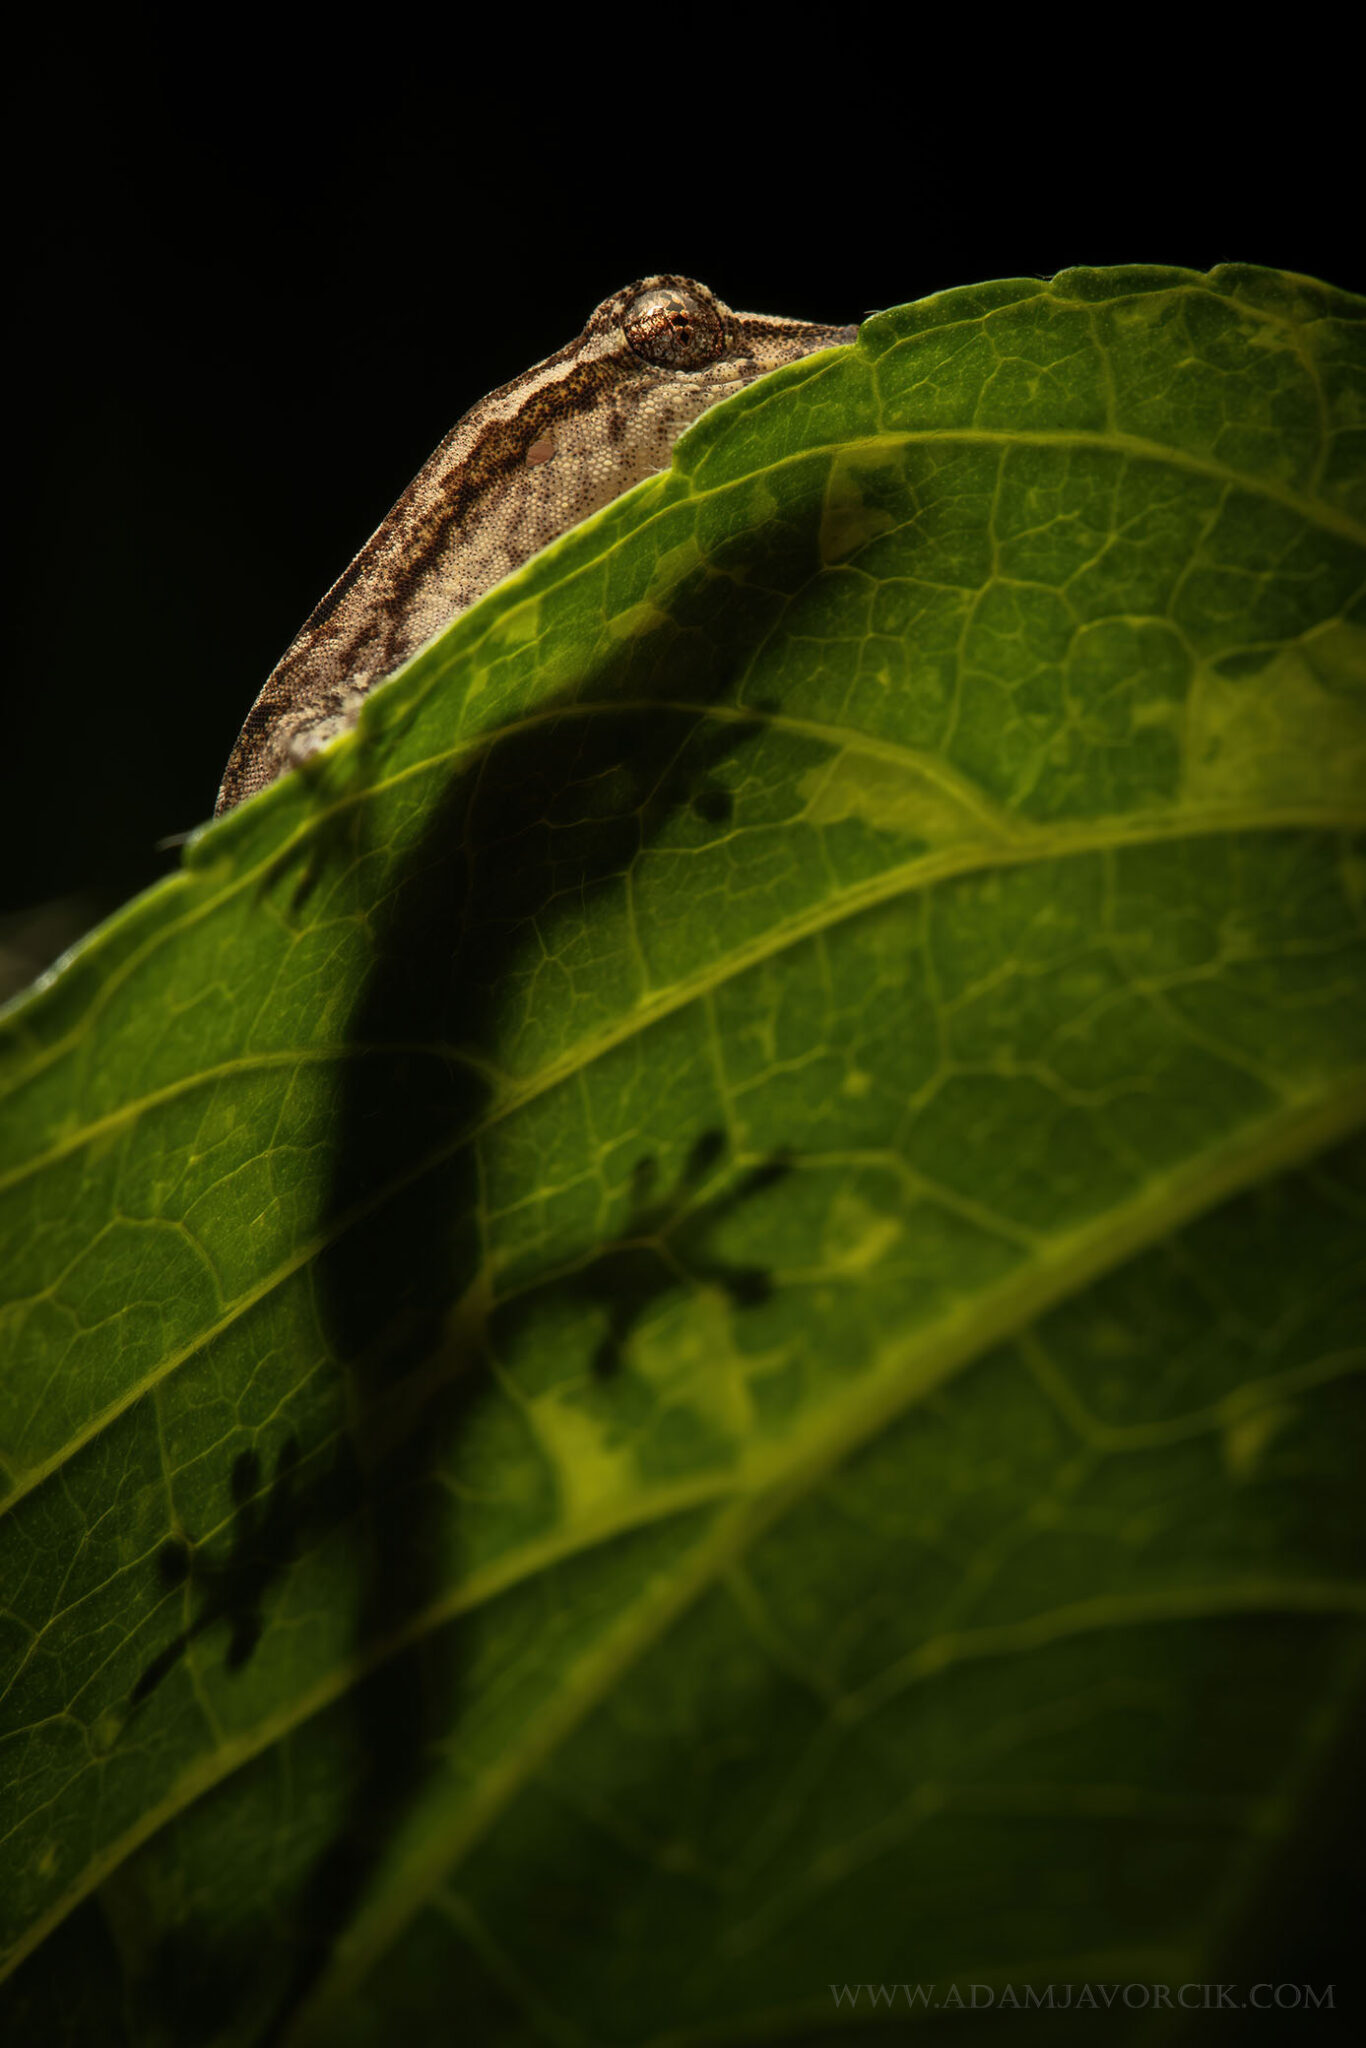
(608, 407)
(500, 450)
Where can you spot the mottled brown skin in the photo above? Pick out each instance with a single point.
(525, 464)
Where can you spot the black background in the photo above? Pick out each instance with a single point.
(253, 288)
(253, 294)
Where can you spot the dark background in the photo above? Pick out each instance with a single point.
(253, 295)
(254, 288)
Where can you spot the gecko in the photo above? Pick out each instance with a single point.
(521, 467)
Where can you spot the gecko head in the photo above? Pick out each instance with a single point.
(679, 328)
(532, 459)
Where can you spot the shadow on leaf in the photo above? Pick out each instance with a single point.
(543, 822)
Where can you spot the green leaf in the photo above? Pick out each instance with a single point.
(690, 1325)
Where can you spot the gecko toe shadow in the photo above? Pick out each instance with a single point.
(229, 1579)
(228, 1585)
(662, 1249)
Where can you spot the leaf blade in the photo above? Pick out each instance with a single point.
(994, 794)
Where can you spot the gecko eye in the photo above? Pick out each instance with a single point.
(673, 329)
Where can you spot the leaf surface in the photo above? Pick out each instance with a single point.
(689, 1326)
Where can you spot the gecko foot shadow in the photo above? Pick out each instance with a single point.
(662, 1250)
